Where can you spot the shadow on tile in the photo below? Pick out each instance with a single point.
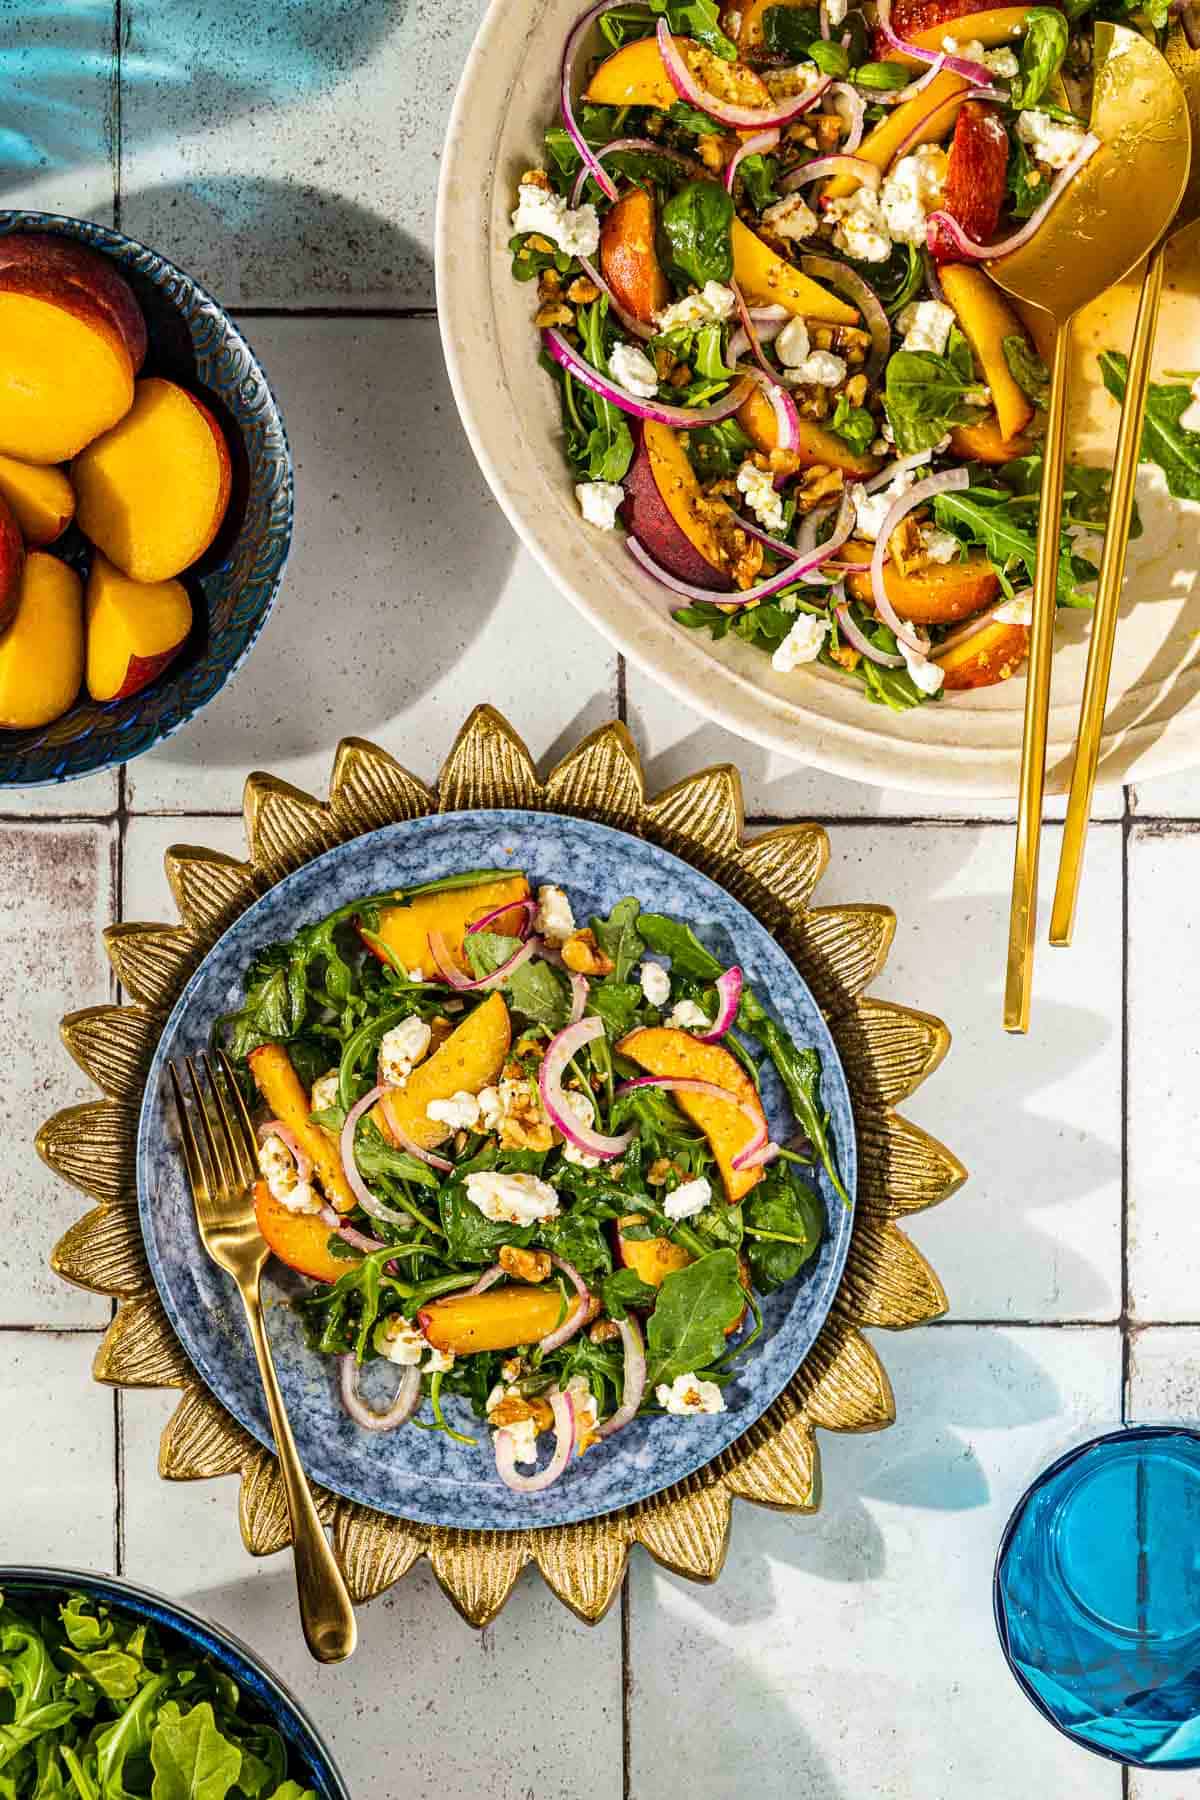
(220, 61)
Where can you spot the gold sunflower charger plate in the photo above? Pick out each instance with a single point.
(873, 1275)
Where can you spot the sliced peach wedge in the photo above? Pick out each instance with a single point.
(993, 653)
(153, 491)
(987, 319)
(41, 653)
(405, 930)
(12, 562)
(471, 1058)
(135, 629)
(498, 1320)
(637, 76)
(628, 259)
(65, 374)
(301, 1240)
(41, 498)
(939, 595)
(661, 509)
(652, 1259)
(662, 1050)
(770, 280)
(756, 416)
(289, 1101)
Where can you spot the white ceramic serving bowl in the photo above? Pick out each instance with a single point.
(968, 744)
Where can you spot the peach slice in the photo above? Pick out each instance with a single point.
(471, 1058)
(12, 562)
(134, 629)
(651, 1259)
(301, 1240)
(660, 1050)
(660, 509)
(976, 175)
(987, 319)
(983, 442)
(628, 260)
(41, 498)
(636, 76)
(153, 491)
(939, 595)
(43, 254)
(41, 653)
(756, 416)
(498, 1320)
(926, 22)
(65, 374)
(994, 653)
(405, 929)
(768, 280)
(289, 1101)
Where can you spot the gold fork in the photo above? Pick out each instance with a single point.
(222, 1169)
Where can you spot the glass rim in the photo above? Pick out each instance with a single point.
(1123, 1434)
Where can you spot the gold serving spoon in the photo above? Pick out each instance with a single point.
(1116, 209)
(1186, 64)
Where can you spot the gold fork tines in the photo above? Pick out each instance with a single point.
(221, 1167)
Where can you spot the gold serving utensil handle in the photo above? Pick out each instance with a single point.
(222, 1169)
(1186, 64)
(1115, 211)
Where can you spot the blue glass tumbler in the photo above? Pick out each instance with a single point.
(1097, 1595)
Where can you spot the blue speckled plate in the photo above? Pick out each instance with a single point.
(417, 1474)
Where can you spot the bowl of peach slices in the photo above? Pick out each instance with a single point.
(146, 498)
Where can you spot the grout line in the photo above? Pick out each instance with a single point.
(1126, 1338)
(626, 1690)
(622, 690)
(335, 312)
(118, 1482)
(117, 145)
(906, 821)
(45, 1330)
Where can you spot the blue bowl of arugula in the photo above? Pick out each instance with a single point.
(107, 1688)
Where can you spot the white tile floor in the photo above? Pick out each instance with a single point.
(290, 158)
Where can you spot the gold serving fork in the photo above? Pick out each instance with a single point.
(1185, 63)
(222, 1168)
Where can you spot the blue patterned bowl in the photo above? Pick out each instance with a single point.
(233, 586)
(423, 1475)
(311, 1762)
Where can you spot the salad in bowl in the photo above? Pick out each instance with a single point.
(526, 1161)
(759, 239)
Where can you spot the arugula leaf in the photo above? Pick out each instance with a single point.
(1165, 442)
(191, 1758)
(1042, 52)
(1026, 186)
(616, 1002)
(791, 31)
(663, 1129)
(624, 1291)
(687, 1327)
(698, 19)
(375, 1157)
(470, 1238)
(577, 1236)
(535, 990)
(672, 937)
(989, 518)
(854, 424)
(697, 223)
(608, 447)
(619, 938)
(1025, 365)
(784, 1222)
(688, 118)
(925, 394)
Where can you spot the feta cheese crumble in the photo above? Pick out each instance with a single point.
(685, 1015)
(758, 485)
(926, 325)
(860, 229)
(870, 510)
(582, 1109)
(912, 189)
(925, 674)
(554, 919)
(540, 209)
(632, 369)
(1050, 141)
(460, 1111)
(511, 1199)
(791, 218)
(1017, 611)
(400, 1341)
(523, 1432)
(688, 1394)
(713, 304)
(792, 345)
(822, 368)
(586, 1418)
(278, 1169)
(598, 502)
(939, 546)
(325, 1092)
(803, 643)
(689, 1199)
(656, 983)
(401, 1048)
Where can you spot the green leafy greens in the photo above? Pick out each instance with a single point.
(1165, 442)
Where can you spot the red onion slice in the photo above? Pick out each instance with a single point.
(566, 86)
(729, 994)
(754, 1159)
(563, 1408)
(759, 144)
(648, 146)
(899, 466)
(967, 247)
(488, 1279)
(899, 95)
(579, 995)
(742, 118)
(947, 482)
(291, 1143)
(401, 1410)
(559, 1051)
(860, 293)
(848, 103)
(359, 1239)
(527, 907)
(684, 418)
(976, 73)
(868, 173)
(405, 1143)
(814, 579)
(454, 977)
(634, 1384)
(577, 1315)
(756, 350)
(863, 644)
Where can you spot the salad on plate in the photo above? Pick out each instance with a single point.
(760, 236)
(525, 1160)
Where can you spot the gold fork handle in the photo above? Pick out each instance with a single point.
(326, 1612)
(1022, 920)
(1108, 598)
